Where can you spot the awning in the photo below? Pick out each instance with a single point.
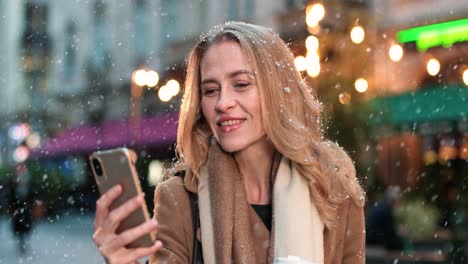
(155, 132)
(428, 105)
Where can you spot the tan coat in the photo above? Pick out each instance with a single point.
(173, 212)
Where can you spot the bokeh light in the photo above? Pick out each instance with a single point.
(313, 70)
(33, 141)
(19, 132)
(433, 67)
(164, 93)
(361, 85)
(465, 77)
(312, 43)
(139, 77)
(344, 98)
(152, 78)
(314, 14)
(300, 63)
(173, 86)
(20, 154)
(357, 34)
(395, 53)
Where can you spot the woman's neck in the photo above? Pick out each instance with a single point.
(255, 164)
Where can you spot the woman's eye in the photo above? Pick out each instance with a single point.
(209, 91)
(241, 85)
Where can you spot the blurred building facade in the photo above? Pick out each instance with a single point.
(65, 64)
(66, 69)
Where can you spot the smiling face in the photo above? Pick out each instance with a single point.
(230, 98)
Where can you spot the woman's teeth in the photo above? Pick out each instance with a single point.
(231, 122)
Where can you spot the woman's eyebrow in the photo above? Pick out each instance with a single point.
(235, 73)
(206, 81)
(229, 75)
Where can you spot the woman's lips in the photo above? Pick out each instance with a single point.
(230, 125)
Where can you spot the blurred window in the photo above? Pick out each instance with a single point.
(100, 45)
(36, 16)
(233, 12)
(170, 21)
(141, 28)
(249, 8)
(70, 51)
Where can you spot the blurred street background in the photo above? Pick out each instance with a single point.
(63, 238)
(78, 76)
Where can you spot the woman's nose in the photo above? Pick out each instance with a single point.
(226, 101)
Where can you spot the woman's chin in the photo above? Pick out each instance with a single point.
(230, 147)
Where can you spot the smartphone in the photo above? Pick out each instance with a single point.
(117, 166)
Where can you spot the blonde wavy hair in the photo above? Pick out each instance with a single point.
(290, 110)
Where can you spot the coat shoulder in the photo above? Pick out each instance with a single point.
(173, 186)
(340, 172)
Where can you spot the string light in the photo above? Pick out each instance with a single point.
(357, 34)
(395, 53)
(300, 63)
(433, 67)
(361, 85)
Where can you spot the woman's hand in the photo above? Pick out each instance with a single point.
(112, 245)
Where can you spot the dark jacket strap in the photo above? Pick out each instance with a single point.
(197, 253)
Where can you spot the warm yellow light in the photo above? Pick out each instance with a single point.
(312, 43)
(316, 10)
(152, 78)
(314, 14)
(465, 77)
(313, 69)
(395, 53)
(433, 67)
(463, 152)
(430, 157)
(344, 98)
(164, 94)
(312, 58)
(300, 63)
(139, 77)
(311, 21)
(312, 64)
(361, 85)
(173, 86)
(357, 34)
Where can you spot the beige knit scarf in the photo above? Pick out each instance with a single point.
(226, 231)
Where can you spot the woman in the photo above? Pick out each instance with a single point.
(249, 139)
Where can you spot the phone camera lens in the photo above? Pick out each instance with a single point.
(97, 167)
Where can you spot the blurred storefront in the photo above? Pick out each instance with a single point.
(420, 125)
(393, 79)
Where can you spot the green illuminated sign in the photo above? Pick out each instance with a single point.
(443, 34)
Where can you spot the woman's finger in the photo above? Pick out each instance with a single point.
(103, 203)
(122, 212)
(138, 253)
(132, 234)
(97, 237)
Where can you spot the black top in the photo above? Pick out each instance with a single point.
(264, 212)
